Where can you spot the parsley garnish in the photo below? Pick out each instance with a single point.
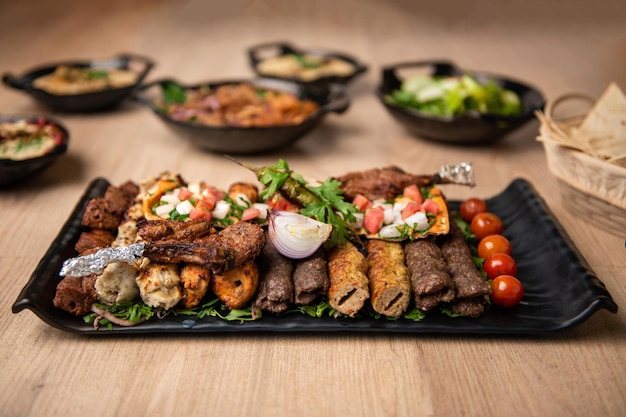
(325, 202)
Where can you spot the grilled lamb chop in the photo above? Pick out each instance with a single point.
(220, 252)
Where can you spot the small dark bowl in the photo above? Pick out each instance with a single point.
(87, 102)
(13, 172)
(471, 128)
(246, 140)
(261, 52)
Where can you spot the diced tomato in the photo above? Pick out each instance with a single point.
(205, 204)
(278, 202)
(250, 214)
(430, 206)
(410, 209)
(412, 192)
(213, 193)
(361, 202)
(199, 214)
(184, 194)
(373, 219)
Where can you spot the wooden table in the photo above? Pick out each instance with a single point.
(560, 47)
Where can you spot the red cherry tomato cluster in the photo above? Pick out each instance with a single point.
(495, 250)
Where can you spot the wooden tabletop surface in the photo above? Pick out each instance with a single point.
(560, 47)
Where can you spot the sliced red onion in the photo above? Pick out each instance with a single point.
(296, 236)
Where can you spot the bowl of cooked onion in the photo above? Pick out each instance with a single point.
(438, 101)
(83, 85)
(28, 146)
(319, 67)
(241, 116)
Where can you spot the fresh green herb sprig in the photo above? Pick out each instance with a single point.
(134, 312)
(325, 202)
(173, 93)
(215, 308)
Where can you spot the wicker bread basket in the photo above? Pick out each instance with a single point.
(591, 188)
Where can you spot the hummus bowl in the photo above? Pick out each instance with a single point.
(28, 146)
(82, 85)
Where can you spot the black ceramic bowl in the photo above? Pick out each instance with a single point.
(246, 140)
(265, 51)
(470, 128)
(15, 171)
(87, 102)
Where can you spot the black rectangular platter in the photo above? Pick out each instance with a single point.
(561, 290)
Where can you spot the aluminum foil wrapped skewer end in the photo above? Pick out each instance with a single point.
(461, 174)
(96, 262)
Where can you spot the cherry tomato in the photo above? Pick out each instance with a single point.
(471, 207)
(493, 244)
(506, 291)
(485, 224)
(499, 264)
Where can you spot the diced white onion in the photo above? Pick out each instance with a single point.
(390, 231)
(170, 198)
(417, 221)
(263, 209)
(400, 205)
(184, 207)
(164, 210)
(194, 187)
(221, 209)
(296, 236)
(389, 215)
(242, 200)
(358, 223)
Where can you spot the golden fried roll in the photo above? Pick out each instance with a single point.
(195, 282)
(347, 271)
(236, 287)
(388, 277)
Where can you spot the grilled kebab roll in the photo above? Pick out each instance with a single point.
(468, 282)
(430, 279)
(276, 280)
(310, 278)
(347, 271)
(388, 277)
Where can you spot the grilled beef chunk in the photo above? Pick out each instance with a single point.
(76, 294)
(106, 212)
(93, 240)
